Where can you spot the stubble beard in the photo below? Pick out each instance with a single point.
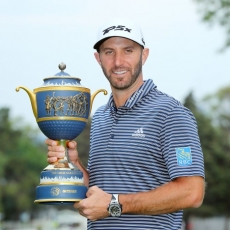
(136, 73)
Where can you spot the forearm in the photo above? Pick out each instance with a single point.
(85, 172)
(171, 197)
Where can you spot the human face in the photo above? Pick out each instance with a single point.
(121, 60)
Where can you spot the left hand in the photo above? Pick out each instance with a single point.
(94, 207)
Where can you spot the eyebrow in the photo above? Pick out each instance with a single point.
(126, 47)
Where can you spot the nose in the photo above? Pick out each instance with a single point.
(118, 59)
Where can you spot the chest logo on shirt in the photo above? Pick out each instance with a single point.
(184, 156)
(139, 133)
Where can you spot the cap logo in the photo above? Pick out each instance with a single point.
(119, 27)
(143, 41)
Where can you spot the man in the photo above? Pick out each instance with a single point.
(145, 161)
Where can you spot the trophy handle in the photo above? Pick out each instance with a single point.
(94, 95)
(32, 98)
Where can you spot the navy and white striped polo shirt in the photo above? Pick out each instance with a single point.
(142, 145)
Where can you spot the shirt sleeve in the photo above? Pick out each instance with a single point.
(180, 143)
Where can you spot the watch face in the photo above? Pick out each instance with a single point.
(115, 210)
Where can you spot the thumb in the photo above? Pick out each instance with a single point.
(72, 144)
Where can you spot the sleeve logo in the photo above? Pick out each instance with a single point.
(184, 156)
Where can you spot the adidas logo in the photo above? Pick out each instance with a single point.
(139, 133)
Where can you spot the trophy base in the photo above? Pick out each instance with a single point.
(60, 194)
(60, 187)
(55, 203)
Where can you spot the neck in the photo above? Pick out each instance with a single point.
(121, 96)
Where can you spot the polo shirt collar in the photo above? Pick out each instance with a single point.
(135, 97)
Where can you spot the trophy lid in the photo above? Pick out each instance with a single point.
(62, 78)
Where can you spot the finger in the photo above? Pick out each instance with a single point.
(50, 142)
(81, 213)
(56, 148)
(56, 154)
(72, 144)
(77, 206)
(52, 159)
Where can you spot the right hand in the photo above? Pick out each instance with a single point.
(56, 151)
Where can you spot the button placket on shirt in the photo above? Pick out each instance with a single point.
(115, 121)
(116, 115)
(113, 115)
(116, 118)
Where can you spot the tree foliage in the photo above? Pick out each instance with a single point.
(216, 149)
(22, 159)
(219, 104)
(216, 11)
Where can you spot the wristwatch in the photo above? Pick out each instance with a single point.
(114, 207)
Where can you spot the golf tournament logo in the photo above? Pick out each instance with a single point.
(55, 191)
(184, 156)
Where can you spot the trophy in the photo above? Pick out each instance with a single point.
(61, 107)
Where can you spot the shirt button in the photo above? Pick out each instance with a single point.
(112, 136)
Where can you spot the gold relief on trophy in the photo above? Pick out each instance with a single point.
(66, 106)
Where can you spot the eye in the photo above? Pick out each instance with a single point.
(108, 52)
(128, 51)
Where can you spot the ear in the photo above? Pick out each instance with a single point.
(97, 56)
(145, 54)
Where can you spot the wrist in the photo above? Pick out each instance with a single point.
(79, 164)
(114, 207)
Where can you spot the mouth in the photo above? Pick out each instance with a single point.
(120, 72)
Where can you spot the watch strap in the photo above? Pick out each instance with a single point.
(115, 198)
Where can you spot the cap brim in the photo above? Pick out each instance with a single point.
(97, 45)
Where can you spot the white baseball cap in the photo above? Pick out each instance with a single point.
(120, 27)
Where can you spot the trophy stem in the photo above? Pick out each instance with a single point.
(63, 142)
(63, 162)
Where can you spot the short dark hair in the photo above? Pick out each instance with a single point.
(97, 46)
